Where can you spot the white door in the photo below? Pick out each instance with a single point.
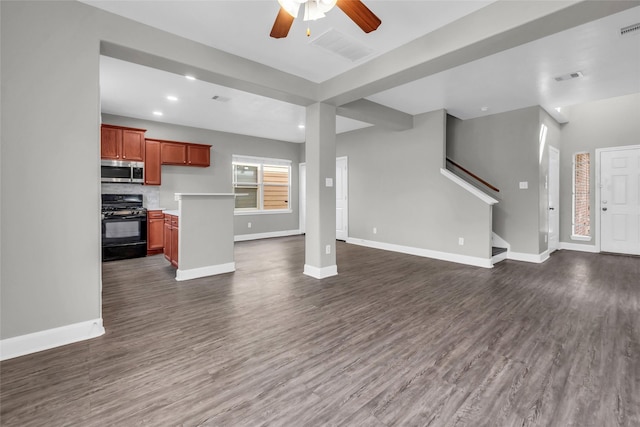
(342, 198)
(302, 196)
(619, 200)
(342, 192)
(554, 199)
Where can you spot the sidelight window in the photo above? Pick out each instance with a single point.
(581, 229)
(262, 185)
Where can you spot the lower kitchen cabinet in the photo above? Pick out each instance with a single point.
(155, 232)
(171, 239)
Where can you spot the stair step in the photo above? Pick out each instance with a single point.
(497, 251)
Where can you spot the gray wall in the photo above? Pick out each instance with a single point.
(503, 149)
(395, 185)
(50, 168)
(607, 123)
(218, 177)
(50, 225)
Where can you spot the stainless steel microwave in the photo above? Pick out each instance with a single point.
(122, 171)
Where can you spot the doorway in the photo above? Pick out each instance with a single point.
(554, 199)
(342, 197)
(618, 199)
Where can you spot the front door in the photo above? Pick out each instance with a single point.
(619, 200)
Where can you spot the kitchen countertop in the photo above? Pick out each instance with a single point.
(172, 212)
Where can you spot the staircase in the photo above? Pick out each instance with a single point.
(498, 254)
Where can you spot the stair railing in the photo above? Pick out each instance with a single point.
(472, 175)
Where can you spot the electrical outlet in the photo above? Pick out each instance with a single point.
(249, 225)
(375, 230)
(461, 241)
(327, 249)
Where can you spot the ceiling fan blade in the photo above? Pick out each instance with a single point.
(360, 14)
(282, 24)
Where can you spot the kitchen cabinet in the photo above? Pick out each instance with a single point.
(174, 241)
(185, 154)
(167, 237)
(155, 232)
(171, 239)
(173, 153)
(121, 143)
(152, 168)
(198, 155)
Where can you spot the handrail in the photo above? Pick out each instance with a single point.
(473, 175)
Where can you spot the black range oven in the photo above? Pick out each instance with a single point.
(124, 226)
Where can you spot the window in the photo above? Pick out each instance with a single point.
(581, 210)
(262, 185)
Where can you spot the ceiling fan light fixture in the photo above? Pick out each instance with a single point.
(291, 6)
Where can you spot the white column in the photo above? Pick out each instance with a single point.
(320, 241)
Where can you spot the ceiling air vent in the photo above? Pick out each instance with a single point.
(630, 30)
(569, 76)
(341, 44)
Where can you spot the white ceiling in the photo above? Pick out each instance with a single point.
(516, 78)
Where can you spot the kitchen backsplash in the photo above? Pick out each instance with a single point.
(151, 194)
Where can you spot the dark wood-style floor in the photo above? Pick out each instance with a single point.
(394, 340)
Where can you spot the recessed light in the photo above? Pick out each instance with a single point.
(190, 77)
(172, 98)
(300, 126)
(484, 108)
(558, 109)
(157, 113)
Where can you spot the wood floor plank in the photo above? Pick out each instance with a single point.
(393, 340)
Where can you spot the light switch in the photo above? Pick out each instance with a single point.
(328, 182)
(524, 185)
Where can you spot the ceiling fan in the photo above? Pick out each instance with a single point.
(314, 9)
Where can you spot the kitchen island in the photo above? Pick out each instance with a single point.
(205, 238)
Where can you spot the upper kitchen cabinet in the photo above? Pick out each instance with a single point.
(121, 143)
(173, 153)
(198, 155)
(152, 172)
(185, 154)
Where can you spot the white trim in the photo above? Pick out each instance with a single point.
(269, 161)
(578, 247)
(426, 253)
(534, 258)
(320, 272)
(346, 185)
(470, 188)
(302, 196)
(256, 236)
(50, 338)
(497, 258)
(581, 238)
(210, 270)
(262, 212)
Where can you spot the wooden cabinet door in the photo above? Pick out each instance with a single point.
(173, 153)
(167, 238)
(174, 245)
(155, 234)
(152, 169)
(132, 145)
(110, 143)
(198, 155)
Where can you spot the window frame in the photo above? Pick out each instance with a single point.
(260, 163)
(574, 235)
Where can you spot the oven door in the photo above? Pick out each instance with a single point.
(124, 237)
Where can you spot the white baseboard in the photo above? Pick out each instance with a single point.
(284, 233)
(210, 270)
(320, 272)
(535, 258)
(50, 338)
(578, 247)
(427, 253)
